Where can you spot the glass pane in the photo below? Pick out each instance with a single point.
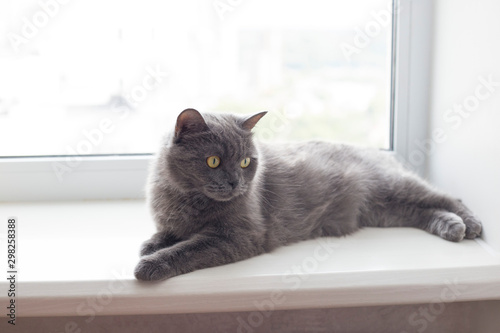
(110, 77)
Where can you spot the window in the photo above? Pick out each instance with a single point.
(90, 87)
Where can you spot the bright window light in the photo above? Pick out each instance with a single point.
(110, 77)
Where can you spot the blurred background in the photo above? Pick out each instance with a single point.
(67, 67)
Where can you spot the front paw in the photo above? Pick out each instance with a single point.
(150, 268)
(148, 247)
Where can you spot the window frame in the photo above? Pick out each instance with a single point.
(124, 176)
(412, 77)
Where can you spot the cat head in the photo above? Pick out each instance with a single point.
(213, 154)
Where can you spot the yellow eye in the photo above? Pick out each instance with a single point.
(213, 161)
(245, 163)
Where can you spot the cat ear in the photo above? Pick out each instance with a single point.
(190, 121)
(251, 121)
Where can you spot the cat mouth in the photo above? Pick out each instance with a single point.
(222, 194)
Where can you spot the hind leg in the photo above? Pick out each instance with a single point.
(446, 225)
(442, 223)
(472, 223)
(415, 191)
(411, 202)
(449, 215)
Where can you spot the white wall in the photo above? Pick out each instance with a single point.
(465, 157)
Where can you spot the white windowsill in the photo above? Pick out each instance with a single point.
(77, 258)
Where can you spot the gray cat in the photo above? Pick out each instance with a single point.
(217, 197)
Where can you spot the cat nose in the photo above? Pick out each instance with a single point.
(233, 183)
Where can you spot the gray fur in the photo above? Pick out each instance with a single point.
(290, 192)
